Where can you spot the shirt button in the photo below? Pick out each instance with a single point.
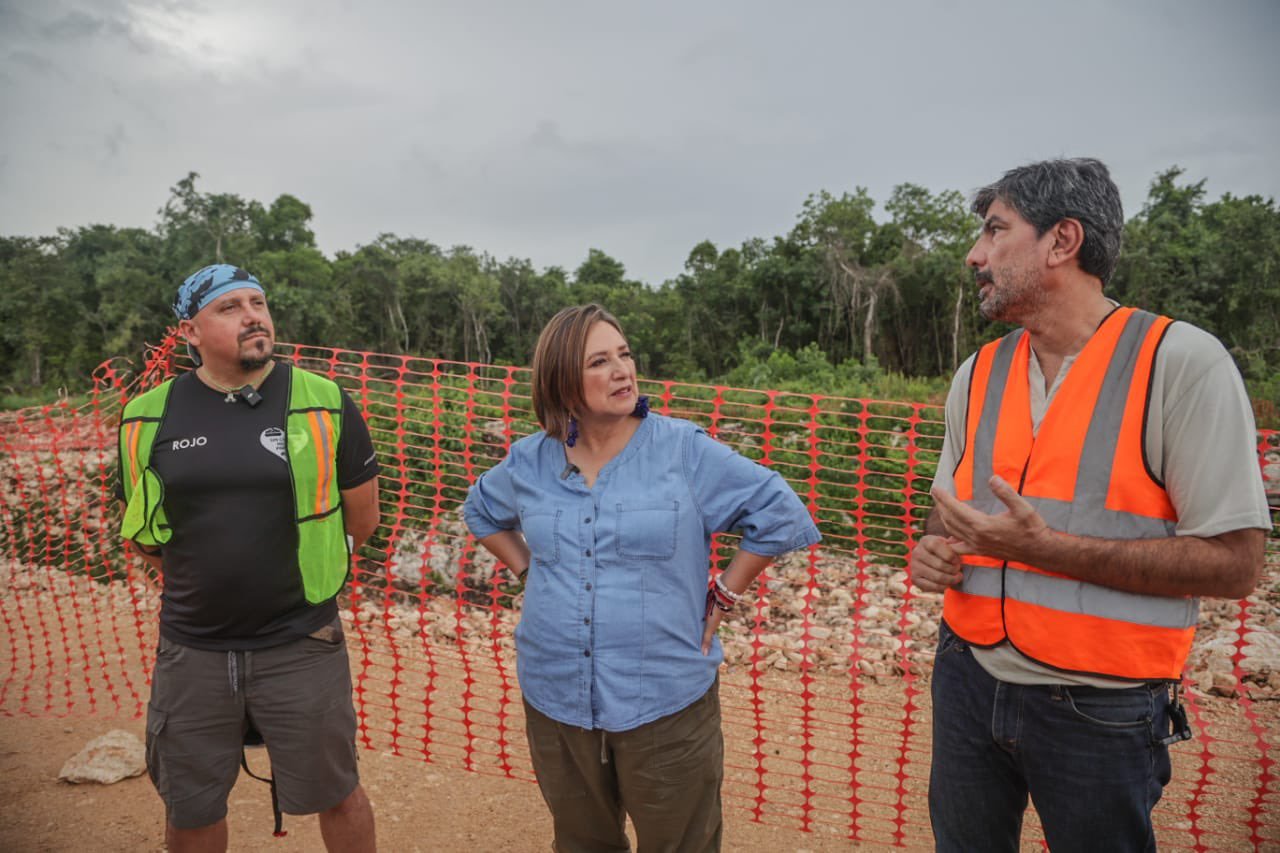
(586, 621)
(586, 653)
(588, 552)
(586, 520)
(588, 586)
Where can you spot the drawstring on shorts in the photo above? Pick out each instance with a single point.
(253, 738)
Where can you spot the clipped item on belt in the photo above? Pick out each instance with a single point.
(252, 739)
(1179, 728)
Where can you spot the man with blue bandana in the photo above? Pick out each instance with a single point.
(247, 483)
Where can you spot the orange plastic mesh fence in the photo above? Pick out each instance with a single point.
(825, 689)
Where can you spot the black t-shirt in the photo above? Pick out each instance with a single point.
(231, 579)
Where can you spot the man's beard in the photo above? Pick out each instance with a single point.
(250, 363)
(256, 359)
(1018, 294)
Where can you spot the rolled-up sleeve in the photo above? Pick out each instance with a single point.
(491, 502)
(734, 493)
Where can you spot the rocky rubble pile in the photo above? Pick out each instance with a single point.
(833, 613)
(830, 613)
(1271, 468)
(57, 591)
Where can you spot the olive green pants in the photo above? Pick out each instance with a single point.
(666, 775)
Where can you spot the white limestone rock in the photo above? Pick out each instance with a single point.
(107, 759)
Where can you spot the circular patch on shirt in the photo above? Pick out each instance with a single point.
(272, 439)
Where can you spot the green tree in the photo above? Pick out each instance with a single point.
(855, 252)
(203, 228)
(1162, 266)
(370, 282)
(477, 294)
(529, 299)
(283, 226)
(1243, 264)
(937, 230)
(38, 292)
(299, 283)
(717, 305)
(125, 291)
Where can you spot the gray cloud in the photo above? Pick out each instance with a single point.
(14, 20)
(32, 61)
(73, 25)
(541, 130)
(114, 141)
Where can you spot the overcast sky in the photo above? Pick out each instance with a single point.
(542, 129)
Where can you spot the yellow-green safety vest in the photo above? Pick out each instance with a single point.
(313, 425)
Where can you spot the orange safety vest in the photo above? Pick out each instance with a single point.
(1085, 471)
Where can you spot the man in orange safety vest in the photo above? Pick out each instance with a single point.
(1098, 476)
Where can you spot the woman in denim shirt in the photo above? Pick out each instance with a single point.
(616, 649)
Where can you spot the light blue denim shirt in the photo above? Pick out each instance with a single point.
(611, 628)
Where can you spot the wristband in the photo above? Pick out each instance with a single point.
(724, 591)
(714, 603)
(720, 597)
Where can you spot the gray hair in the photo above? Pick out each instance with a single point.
(1050, 191)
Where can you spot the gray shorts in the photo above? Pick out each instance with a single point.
(299, 698)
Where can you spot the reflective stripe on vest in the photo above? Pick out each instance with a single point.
(1085, 473)
(312, 429)
(144, 519)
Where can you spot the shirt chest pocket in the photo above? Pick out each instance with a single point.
(648, 531)
(541, 528)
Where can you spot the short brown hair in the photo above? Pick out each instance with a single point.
(557, 365)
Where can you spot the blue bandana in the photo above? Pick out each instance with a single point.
(208, 284)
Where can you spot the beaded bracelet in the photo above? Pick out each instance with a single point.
(720, 597)
(725, 592)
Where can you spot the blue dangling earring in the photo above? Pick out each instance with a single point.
(572, 438)
(642, 408)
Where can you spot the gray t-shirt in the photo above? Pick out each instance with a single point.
(1203, 446)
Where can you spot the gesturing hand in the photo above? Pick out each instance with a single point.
(935, 564)
(1012, 535)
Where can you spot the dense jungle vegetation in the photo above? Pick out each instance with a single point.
(851, 301)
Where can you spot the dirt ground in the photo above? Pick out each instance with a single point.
(419, 807)
(827, 747)
(812, 746)
(432, 807)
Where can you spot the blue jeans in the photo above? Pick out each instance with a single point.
(1090, 758)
